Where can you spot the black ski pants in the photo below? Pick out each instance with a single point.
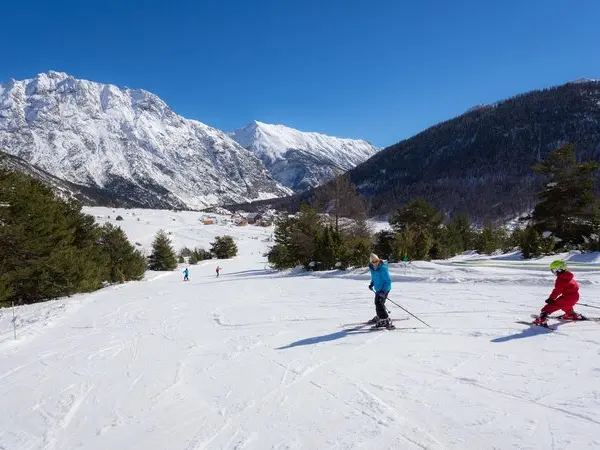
(380, 309)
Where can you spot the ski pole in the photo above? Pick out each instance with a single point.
(589, 306)
(406, 310)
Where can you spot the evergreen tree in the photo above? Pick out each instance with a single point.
(199, 254)
(419, 215)
(417, 224)
(279, 257)
(355, 251)
(423, 244)
(486, 241)
(404, 244)
(163, 256)
(224, 247)
(460, 230)
(568, 206)
(185, 252)
(125, 262)
(49, 248)
(282, 254)
(6, 290)
(325, 251)
(384, 244)
(530, 243)
(305, 234)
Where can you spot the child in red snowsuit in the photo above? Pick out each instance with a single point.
(564, 296)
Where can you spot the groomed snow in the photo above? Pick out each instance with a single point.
(257, 359)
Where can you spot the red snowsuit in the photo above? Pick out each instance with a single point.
(565, 293)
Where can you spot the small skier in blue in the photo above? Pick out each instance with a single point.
(186, 273)
(381, 284)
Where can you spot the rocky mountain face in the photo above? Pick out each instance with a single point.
(301, 160)
(126, 143)
(90, 196)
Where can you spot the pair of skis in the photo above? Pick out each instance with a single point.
(545, 325)
(359, 325)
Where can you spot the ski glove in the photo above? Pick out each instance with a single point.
(549, 301)
(371, 286)
(382, 295)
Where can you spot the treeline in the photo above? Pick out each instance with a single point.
(222, 247)
(49, 248)
(566, 216)
(333, 232)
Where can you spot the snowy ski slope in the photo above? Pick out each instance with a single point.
(257, 359)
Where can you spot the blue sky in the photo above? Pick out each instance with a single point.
(382, 70)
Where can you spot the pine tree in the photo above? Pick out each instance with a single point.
(279, 257)
(355, 251)
(424, 242)
(125, 262)
(163, 256)
(282, 255)
(48, 247)
(304, 236)
(417, 225)
(530, 243)
(460, 230)
(326, 251)
(384, 244)
(6, 290)
(568, 206)
(185, 252)
(486, 241)
(418, 215)
(224, 247)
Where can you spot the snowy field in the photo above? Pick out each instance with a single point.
(259, 360)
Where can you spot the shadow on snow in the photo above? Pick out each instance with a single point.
(334, 336)
(528, 332)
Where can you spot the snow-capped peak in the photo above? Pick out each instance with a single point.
(126, 141)
(300, 159)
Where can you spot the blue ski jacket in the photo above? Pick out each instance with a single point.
(381, 277)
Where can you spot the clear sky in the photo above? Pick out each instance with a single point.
(382, 70)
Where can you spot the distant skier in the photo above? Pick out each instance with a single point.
(381, 284)
(186, 273)
(564, 296)
(218, 269)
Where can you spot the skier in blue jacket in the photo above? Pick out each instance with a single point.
(381, 284)
(186, 274)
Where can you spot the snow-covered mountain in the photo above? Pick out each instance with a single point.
(301, 160)
(128, 142)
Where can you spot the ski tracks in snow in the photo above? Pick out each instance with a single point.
(71, 408)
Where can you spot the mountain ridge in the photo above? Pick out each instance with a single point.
(300, 159)
(127, 141)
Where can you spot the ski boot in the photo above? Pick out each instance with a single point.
(572, 315)
(373, 321)
(384, 323)
(541, 320)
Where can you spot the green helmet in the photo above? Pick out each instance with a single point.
(558, 266)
